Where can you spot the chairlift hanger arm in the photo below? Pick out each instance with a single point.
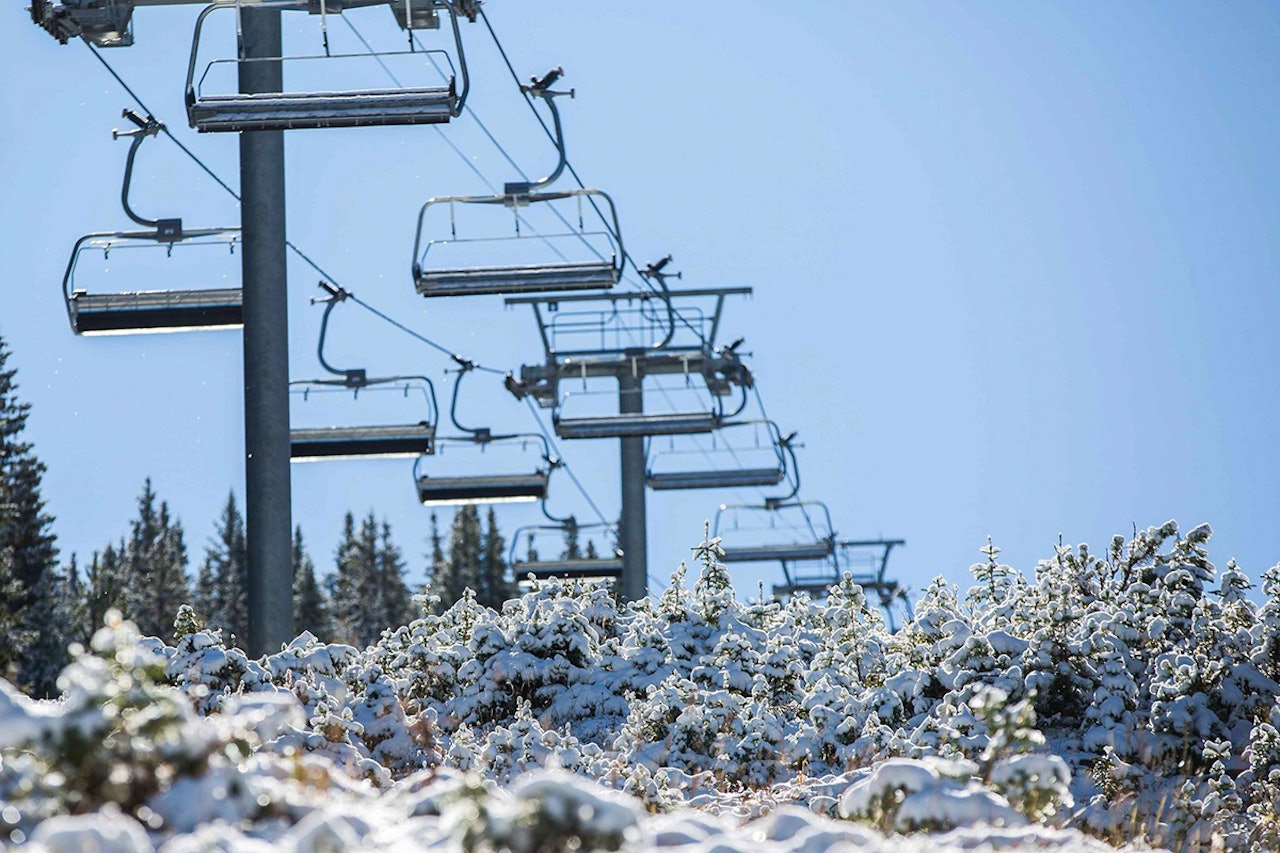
(542, 89)
(166, 230)
(352, 378)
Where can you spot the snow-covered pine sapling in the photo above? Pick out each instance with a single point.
(713, 591)
(1036, 784)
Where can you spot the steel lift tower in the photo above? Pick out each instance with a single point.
(628, 337)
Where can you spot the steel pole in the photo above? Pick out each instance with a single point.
(268, 521)
(635, 561)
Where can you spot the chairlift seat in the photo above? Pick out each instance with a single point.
(151, 311)
(538, 278)
(493, 488)
(816, 590)
(361, 442)
(728, 479)
(313, 110)
(633, 425)
(819, 550)
(603, 567)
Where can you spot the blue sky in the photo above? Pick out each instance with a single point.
(1014, 264)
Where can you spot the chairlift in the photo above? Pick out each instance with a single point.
(553, 270)
(480, 488)
(646, 424)
(723, 465)
(382, 441)
(150, 311)
(502, 486)
(345, 107)
(862, 561)
(779, 530)
(575, 561)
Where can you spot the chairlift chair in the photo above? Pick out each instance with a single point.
(481, 488)
(357, 107)
(149, 311)
(864, 562)
(605, 565)
(784, 531)
(385, 441)
(374, 441)
(554, 271)
(669, 470)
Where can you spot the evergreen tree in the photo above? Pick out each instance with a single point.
(359, 604)
(25, 528)
(345, 584)
(105, 586)
(46, 652)
(396, 603)
(155, 567)
(25, 534)
(13, 632)
(310, 610)
(462, 569)
(222, 587)
(78, 629)
(493, 586)
(572, 550)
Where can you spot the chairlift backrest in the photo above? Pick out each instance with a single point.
(784, 532)
(603, 562)
(186, 306)
(478, 486)
(344, 107)
(542, 261)
(372, 441)
(721, 465)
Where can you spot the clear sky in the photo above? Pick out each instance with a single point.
(1015, 265)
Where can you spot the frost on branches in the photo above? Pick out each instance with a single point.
(1123, 697)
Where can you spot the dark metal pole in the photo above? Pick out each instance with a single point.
(268, 521)
(635, 561)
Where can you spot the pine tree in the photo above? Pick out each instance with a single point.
(46, 652)
(25, 531)
(358, 602)
(393, 593)
(105, 586)
(13, 633)
(344, 597)
(155, 567)
(223, 583)
(310, 610)
(78, 629)
(462, 569)
(494, 588)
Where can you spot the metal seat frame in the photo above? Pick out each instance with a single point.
(567, 568)
(332, 443)
(598, 274)
(234, 112)
(727, 478)
(822, 547)
(149, 311)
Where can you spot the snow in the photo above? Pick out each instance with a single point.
(1016, 720)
